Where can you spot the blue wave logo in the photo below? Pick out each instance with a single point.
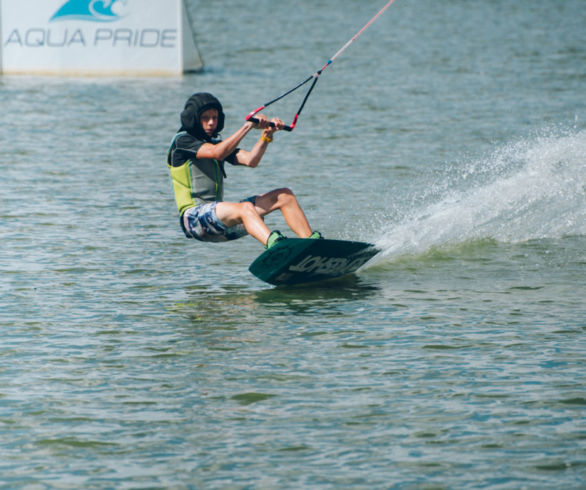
(91, 10)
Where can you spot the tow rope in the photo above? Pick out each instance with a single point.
(314, 76)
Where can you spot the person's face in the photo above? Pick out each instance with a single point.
(209, 121)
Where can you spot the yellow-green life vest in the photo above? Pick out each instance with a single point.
(195, 181)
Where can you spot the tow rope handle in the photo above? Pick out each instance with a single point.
(255, 120)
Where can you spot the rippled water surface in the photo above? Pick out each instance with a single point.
(451, 134)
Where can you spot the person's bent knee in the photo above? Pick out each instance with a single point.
(285, 196)
(247, 209)
(232, 214)
(284, 190)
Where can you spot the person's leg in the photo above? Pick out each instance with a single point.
(232, 213)
(285, 200)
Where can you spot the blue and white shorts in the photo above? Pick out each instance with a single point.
(202, 223)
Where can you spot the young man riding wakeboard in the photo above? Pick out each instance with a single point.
(196, 160)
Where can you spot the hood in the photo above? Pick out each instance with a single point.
(195, 106)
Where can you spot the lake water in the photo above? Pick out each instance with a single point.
(451, 134)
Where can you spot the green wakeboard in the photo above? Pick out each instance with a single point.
(302, 260)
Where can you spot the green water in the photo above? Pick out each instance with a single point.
(451, 134)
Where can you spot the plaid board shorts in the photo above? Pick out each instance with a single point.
(203, 224)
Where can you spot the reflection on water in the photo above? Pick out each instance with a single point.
(240, 305)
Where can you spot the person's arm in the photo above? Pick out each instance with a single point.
(224, 148)
(252, 158)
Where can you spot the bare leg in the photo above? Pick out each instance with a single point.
(285, 200)
(232, 213)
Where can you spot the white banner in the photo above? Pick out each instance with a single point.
(96, 37)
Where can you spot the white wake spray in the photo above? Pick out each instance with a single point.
(528, 190)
